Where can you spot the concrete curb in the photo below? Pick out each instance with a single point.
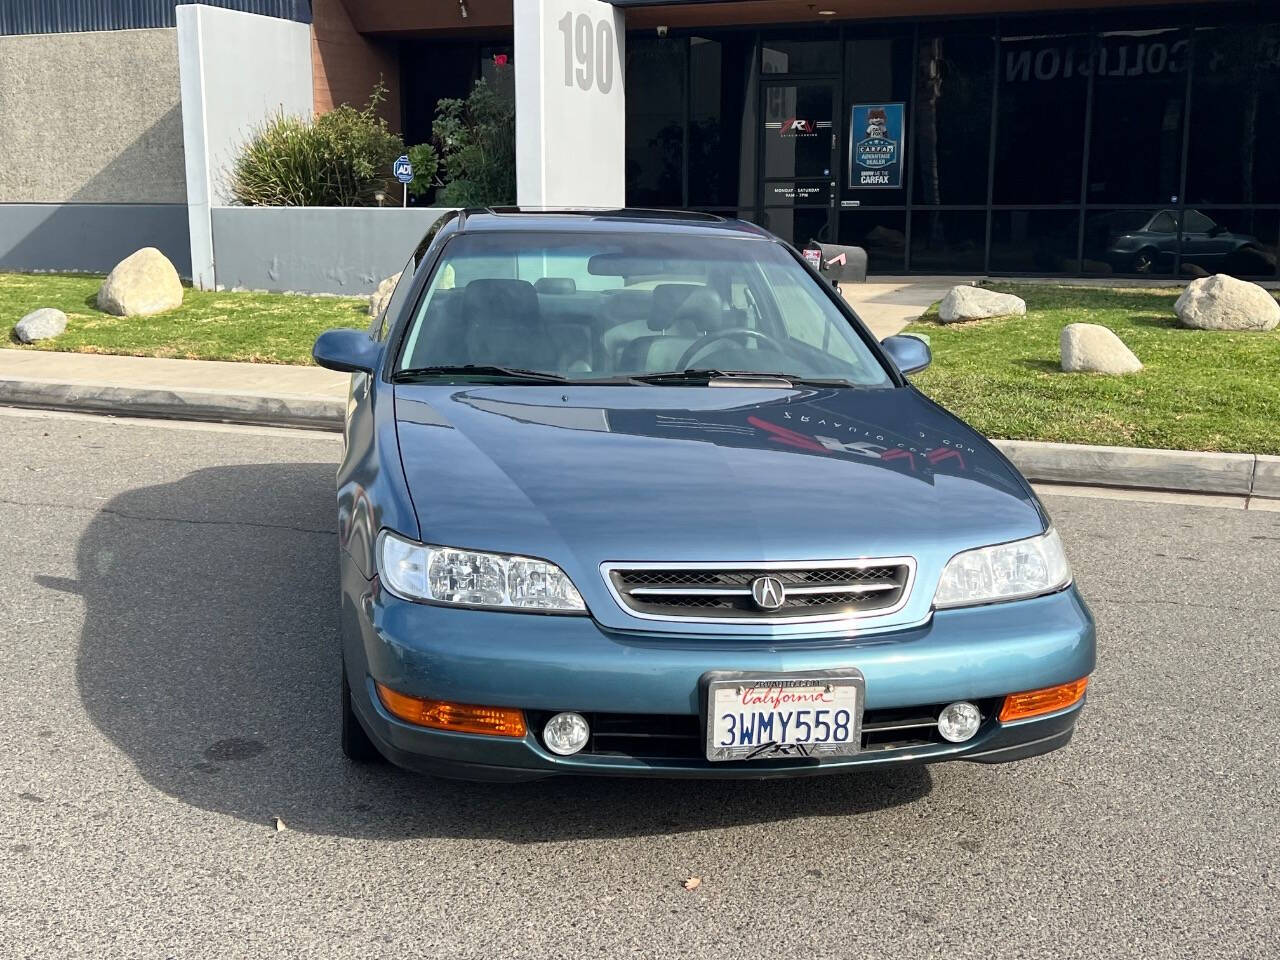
(315, 413)
(1236, 474)
(1266, 477)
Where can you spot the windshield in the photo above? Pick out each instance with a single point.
(588, 307)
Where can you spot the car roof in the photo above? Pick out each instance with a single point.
(589, 220)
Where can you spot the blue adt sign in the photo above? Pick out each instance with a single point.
(875, 146)
(403, 169)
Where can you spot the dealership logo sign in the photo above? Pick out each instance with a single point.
(798, 127)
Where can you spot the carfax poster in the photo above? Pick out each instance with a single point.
(875, 146)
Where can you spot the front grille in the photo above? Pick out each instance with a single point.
(819, 591)
(653, 736)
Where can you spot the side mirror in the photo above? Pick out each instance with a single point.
(347, 351)
(911, 354)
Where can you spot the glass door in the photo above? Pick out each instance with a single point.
(798, 149)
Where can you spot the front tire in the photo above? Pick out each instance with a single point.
(356, 745)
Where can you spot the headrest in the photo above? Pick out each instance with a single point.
(507, 300)
(667, 298)
(555, 285)
(702, 310)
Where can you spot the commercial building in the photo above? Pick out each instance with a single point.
(944, 136)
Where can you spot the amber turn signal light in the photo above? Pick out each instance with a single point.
(458, 717)
(1034, 703)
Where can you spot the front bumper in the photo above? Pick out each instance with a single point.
(553, 663)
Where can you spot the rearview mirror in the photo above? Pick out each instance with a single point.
(911, 354)
(625, 265)
(347, 351)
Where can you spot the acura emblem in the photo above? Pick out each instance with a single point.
(767, 592)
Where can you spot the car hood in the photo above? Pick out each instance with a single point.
(586, 475)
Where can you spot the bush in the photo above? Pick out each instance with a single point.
(475, 141)
(339, 159)
(426, 164)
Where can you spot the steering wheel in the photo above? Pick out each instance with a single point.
(702, 342)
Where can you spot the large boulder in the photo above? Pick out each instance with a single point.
(141, 284)
(1221, 302)
(976, 303)
(378, 300)
(42, 324)
(1093, 348)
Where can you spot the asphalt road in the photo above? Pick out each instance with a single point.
(168, 676)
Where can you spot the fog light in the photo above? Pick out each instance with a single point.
(566, 733)
(959, 721)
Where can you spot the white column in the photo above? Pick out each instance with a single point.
(570, 103)
(191, 82)
(236, 70)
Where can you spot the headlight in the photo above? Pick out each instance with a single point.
(416, 571)
(1008, 571)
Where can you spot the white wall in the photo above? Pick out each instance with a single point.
(570, 105)
(236, 70)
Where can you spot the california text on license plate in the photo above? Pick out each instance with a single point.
(755, 719)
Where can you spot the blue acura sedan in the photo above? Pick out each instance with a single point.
(637, 494)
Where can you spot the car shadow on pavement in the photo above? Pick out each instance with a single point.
(209, 657)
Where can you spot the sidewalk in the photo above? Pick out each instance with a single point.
(264, 393)
(263, 379)
(887, 304)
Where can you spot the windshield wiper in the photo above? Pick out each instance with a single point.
(477, 370)
(707, 376)
(692, 375)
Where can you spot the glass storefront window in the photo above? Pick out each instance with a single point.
(801, 55)
(1138, 98)
(1234, 96)
(882, 233)
(1034, 241)
(719, 75)
(655, 122)
(1140, 242)
(798, 129)
(1266, 149)
(1044, 88)
(948, 241)
(952, 118)
(1093, 112)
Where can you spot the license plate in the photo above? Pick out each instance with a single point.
(750, 718)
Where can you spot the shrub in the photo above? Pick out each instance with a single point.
(340, 159)
(426, 164)
(475, 140)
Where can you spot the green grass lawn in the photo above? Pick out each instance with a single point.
(257, 327)
(1200, 390)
